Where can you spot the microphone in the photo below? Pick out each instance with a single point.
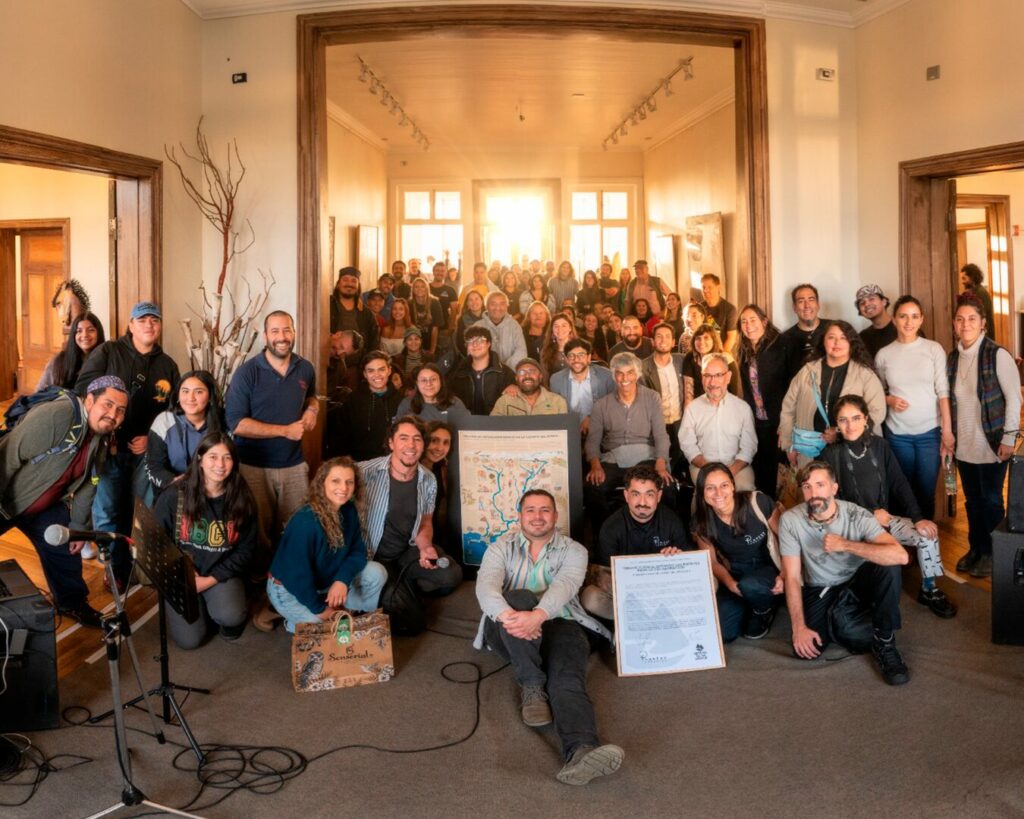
(442, 563)
(57, 535)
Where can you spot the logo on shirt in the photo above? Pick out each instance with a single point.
(304, 384)
(161, 390)
(208, 534)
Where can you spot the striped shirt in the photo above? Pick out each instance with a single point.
(377, 477)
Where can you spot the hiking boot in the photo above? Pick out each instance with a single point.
(536, 711)
(965, 563)
(894, 670)
(937, 601)
(760, 624)
(982, 567)
(588, 762)
(266, 619)
(84, 614)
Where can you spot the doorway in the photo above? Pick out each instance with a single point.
(983, 238)
(744, 36)
(36, 258)
(929, 258)
(135, 205)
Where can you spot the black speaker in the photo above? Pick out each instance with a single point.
(1007, 587)
(28, 655)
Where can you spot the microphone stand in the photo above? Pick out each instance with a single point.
(116, 627)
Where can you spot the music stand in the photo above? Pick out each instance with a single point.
(172, 574)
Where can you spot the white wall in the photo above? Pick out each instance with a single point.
(812, 143)
(38, 193)
(358, 193)
(693, 173)
(260, 116)
(901, 116)
(120, 75)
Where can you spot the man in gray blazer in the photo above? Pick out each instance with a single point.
(581, 383)
(663, 373)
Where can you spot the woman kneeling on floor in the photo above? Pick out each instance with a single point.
(210, 513)
(321, 564)
(740, 530)
(869, 475)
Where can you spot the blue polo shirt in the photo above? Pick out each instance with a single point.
(259, 392)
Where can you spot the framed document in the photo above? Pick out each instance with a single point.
(666, 618)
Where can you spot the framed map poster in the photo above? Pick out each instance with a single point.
(495, 460)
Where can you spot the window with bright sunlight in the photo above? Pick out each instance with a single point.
(431, 228)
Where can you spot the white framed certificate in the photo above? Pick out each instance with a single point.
(666, 617)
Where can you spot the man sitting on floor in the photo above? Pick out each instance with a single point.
(829, 546)
(527, 587)
(641, 527)
(49, 465)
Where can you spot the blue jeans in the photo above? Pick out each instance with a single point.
(63, 570)
(918, 457)
(363, 594)
(123, 479)
(755, 580)
(983, 499)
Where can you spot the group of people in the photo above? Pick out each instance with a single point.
(686, 411)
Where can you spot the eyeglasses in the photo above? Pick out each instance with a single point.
(528, 371)
(476, 340)
(716, 375)
(578, 354)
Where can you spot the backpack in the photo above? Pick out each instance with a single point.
(21, 406)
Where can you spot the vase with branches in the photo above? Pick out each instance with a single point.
(227, 328)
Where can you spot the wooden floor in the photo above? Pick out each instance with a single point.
(77, 645)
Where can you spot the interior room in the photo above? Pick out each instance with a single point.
(838, 142)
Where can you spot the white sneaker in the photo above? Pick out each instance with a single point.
(89, 551)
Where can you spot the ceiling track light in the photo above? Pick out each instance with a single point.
(650, 102)
(388, 100)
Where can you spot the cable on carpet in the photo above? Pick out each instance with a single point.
(17, 761)
(264, 769)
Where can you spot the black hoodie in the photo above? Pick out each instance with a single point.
(150, 379)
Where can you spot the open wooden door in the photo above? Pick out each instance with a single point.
(8, 316)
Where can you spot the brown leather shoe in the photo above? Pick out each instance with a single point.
(266, 619)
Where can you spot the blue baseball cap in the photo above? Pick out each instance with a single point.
(145, 308)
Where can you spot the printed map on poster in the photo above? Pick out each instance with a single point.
(495, 468)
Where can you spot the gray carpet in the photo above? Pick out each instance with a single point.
(769, 736)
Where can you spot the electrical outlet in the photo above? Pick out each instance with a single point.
(826, 74)
(240, 77)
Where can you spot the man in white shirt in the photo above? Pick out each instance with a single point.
(718, 426)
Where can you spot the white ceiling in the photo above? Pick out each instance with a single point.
(837, 12)
(471, 94)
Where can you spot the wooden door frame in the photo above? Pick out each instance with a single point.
(56, 153)
(928, 226)
(318, 31)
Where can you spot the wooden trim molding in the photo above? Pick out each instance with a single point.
(316, 32)
(45, 151)
(927, 241)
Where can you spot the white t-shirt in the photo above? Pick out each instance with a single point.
(915, 372)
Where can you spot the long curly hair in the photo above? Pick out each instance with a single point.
(316, 498)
